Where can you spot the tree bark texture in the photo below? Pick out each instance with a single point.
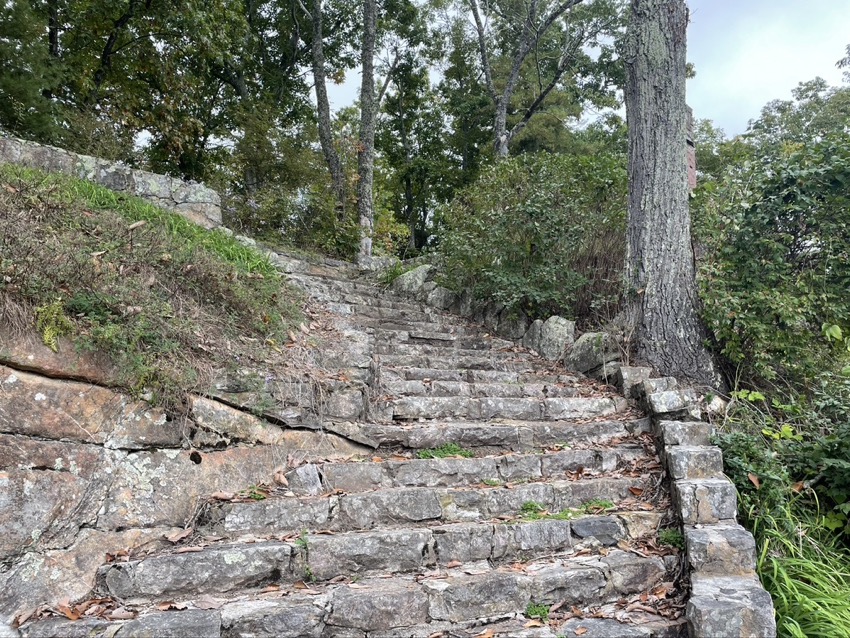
(323, 110)
(660, 267)
(366, 151)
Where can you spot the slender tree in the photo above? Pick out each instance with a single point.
(366, 148)
(660, 268)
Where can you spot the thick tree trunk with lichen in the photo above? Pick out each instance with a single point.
(660, 271)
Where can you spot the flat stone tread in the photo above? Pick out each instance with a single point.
(463, 593)
(411, 506)
(508, 434)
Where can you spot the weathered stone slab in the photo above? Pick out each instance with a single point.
(502, 408)
(391, 551)
(60, 626)
(365, 511)
(191, 623)
(673, 402)
(378, 607)
(723, 550)
(579, 408)
(215, 570)
(640, 524)
(694, 462)
(283, 515)
(68, 574)
(463, 598)
(629, 378)
(292, 618)
(630, 574)
(519, 539)
(604, 628)
(531, 338)
(608, 530)
(435, 408)
(685, 432)
(464, 542)
(444, 472)
(591, 350)
(729, 606)
(557, 335)
(703, 501)
(411, 282)
(228, 425)
(520, 467)
(356, 477)
(56, 409)
(574, 584)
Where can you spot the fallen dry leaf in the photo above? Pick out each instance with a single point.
(358, 586)
(208, 602)
(121, 614)
(581, 631)
(534, 623)
(452, 564)
(167, 605)
(754, 480)
(637, 491)
(486, 634)
(176, 537)
(223, 496)
(69, 613)
(188, 550)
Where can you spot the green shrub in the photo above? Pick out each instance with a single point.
(542, 234)
(775, 282)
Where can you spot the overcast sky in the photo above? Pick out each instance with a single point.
(746, 53)
(749, 52)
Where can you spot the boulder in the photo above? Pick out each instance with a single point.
(556, 336)
(412, 281)
(592, 350)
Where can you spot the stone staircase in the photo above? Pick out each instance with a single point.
(504, 497)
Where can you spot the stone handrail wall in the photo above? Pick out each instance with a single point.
(194, 201)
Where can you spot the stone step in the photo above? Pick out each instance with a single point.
(408, 505)
(413, 349)
(475, 360)
(393, 385)
(477, 376)
(442, 324)
(379, 473)
(503, 435)
(395, 606)
(227, 567)
(487, 408)
(444, 338)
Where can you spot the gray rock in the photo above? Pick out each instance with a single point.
(703, 501)
(378, 607)
(356, 477)
(523, 539)
(629, 378)
(685, 432)
(192, 623)
(512, 324)
(345, 404)
(444, 472)
(631, 574)
(457, 599)
(381, 508)
(352, 554)
(557, 335)
(412, 281)
(215, 570)
(606, 529)
(673, 402)
(579, 408)
(305, 480)
(723, 550)
(284, 515)
(573, 584)
(54, 627)
(289, 619)
(531, 338)
(499, 408)
(464, 542)
(592, 350)
(694, 461)
(603, 628)
(729, 606)
(435, 407)
(441, 298)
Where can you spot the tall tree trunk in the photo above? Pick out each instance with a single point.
(323, 109)
(366, 152)
(660, 268)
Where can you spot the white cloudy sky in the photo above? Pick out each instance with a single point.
(748, 52)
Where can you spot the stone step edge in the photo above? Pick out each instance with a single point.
(499, 470)
(226, 565)
(412, 506)
(726, 593)
(376, 605)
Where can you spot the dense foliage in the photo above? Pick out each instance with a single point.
(542, 234)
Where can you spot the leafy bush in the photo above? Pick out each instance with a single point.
(542, 234)
(776, 279)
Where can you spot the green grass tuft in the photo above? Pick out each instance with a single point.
(445, 451)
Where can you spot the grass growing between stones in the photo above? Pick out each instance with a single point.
(671, 537)
(445, 451)
(166, 300)
(533, 511)
(540, 612)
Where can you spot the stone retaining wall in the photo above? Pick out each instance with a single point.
(196, 202)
